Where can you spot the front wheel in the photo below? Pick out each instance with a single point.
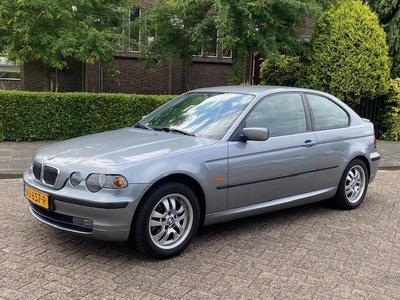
(166, 221)
(353, 185)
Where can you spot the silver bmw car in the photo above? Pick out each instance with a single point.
(210, 155)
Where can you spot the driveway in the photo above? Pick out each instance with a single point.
(311, 252)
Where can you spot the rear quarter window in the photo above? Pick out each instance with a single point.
(326, 114)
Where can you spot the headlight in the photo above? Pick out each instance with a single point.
(95, 182)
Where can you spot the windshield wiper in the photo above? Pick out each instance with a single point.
(142, 126)
(176, 130)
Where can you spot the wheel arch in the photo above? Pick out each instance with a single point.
(366, 162)
(190, 182)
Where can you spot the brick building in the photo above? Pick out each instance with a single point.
(132, 77)
(211, 66)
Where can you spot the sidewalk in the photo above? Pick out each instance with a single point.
(15, 157)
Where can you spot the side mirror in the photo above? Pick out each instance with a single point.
(254, 134)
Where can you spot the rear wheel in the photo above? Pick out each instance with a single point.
(353, 185)
(166, 221)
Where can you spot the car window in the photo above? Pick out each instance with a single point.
(281, 114)
(326, 114)
(203, 114)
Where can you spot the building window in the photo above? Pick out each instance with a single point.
(212, 47)
(226, 53)
(134, 32)
(139, 40)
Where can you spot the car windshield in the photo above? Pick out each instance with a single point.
(200, 114)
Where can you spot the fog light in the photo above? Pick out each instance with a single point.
(75, 178)
(82, 222)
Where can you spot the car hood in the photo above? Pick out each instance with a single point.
(110, 151)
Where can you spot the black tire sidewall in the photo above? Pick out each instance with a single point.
(341, 197)
(141, 219)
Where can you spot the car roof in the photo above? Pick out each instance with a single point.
(248, 89)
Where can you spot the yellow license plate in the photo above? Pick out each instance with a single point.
(37, 197)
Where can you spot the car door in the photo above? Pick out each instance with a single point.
(331, 124)
(282, 166)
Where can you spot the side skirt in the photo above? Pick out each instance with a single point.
(270, 206)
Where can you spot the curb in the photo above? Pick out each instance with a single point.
(10, 175)
(389, 168)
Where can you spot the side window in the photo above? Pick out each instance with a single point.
(281, 114)
(327, 114)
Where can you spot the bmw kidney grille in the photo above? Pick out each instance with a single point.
(46, 174)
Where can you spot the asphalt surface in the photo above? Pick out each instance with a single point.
(310, 252)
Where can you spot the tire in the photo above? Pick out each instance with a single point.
(166, 221)
(353, 185)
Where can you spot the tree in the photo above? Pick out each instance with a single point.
(266, 27)
(283, 71)
(348, 54)
(389, 17)
(52, 30)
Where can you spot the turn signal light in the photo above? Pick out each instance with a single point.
(119, 182)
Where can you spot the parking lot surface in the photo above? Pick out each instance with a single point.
(310, 252)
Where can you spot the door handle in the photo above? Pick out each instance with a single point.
(309, 143)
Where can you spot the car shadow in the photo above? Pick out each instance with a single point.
(212, 238)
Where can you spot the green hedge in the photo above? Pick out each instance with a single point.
(390, 114)
(30, 116)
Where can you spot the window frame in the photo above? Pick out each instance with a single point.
(239, 130)
(311, 114)
(125, 47)
(219, 52)
(130, 48)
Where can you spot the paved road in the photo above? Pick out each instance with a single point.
(312, 252)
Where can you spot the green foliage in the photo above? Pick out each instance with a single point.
(390, 115)
(2, 137)
(348, 54)
(26, 116)
(9, 74)
(266, 27)
(180, 27)
(52, 30)
(389, 17)
(284, 71)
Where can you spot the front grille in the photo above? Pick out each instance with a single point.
(37, 170)
(50, 175)
(46, 174)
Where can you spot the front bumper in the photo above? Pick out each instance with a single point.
(105, 215)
